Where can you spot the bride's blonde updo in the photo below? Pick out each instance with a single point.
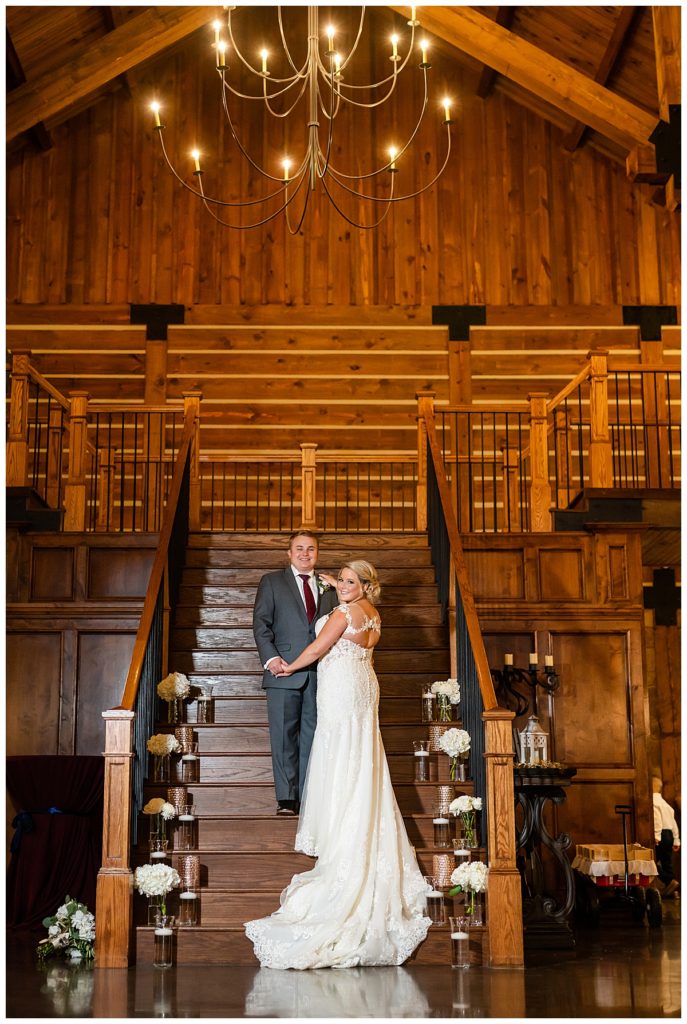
(367, 574)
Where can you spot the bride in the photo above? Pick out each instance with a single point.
(363, 903)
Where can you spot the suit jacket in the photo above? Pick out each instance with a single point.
(280, 624)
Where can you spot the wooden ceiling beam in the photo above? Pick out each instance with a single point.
(141, 38)
(39, 134)
(504, 18)
(667, 36)
(540, 73)
(605, 68)
(112, 20)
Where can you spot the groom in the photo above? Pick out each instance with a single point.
(287, 606)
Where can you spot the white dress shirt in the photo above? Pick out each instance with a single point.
(664, 817)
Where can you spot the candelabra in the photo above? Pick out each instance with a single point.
(506, 679)
(320, 82)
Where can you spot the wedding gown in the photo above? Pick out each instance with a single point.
(363, 904)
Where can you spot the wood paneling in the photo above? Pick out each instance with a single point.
(561, 575)
(514, 220)
(102, 667)
(118, 573)
(34, 677)
(52, 575)
(499, 574)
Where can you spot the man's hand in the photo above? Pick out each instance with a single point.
(277, 666)
(286, 670)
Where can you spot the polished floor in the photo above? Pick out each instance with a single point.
(621, 970)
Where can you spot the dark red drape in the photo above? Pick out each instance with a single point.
(60, 855)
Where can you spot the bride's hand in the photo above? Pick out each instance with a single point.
(328, 578)
(286, 671)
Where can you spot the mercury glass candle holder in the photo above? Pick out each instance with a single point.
(443, 865)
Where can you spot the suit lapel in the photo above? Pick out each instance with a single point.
(293, 587)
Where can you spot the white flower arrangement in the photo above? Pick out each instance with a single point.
(70, 930)
(172, 686)
(156, 880)
(464, 804)
(163, 743)
(449, 688)
(455, 742)
(160, 806)
(470, 877)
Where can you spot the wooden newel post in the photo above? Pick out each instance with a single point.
(600, 456)
(75, 489)
(425, 409)
(192, 400)
(540, 488)
(504, 891)
(18, 428)
(308, 485)
(114, 889)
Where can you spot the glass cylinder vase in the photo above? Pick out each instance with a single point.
(428, 706)
(159, 849)
(444, 707)
(205, 708)
(188, 908)
(421, 758)
(154, 908)
(175, 711)
(161, 767)
(460, 941)
(164, 939)
(190, 765)
(470, 829)
(458, 768)
(474, 907)
(186, 832)
(442, 827)
(434, 901)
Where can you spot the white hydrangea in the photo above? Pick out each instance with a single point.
(174, 685)
(163, 743)
(455, 742)
(54, 929)
(449, 687)
(156, 879)
(62, 914)
(168, 811)
(464, 804)
(471, 877)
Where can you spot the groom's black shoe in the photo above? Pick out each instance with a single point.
(286, 807)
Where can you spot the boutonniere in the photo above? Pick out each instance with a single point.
(322, 586)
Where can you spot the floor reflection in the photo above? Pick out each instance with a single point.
(68, 988)
(355, 992)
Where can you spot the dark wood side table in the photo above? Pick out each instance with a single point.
(545, 918)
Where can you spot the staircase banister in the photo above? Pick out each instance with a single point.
(142, 407)
(672, 363)
(45, 384)
(580, 378)
(159, 566)
(486, 684)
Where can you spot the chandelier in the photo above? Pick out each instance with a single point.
(319, 84)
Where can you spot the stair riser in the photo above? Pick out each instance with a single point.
(399, 577)
(207, 662)
(240, 710)
(271, 835)
(247, 800)
(193, 616)
(250, 685)
(218, 638)
(371, 543)
(330, 559)
(235, 739)
(198, 593)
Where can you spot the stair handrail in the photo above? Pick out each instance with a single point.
(128, 726)
(506, 947)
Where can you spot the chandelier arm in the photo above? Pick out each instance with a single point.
(200, 194)
(294, 231)
(248, 65)
(320, 62)
(285, 113)
(285, 45)
(372, 174)
(257, 223)
(383, 81)
(356, 224)
(393, 199)
(246, 154)
(261, 97)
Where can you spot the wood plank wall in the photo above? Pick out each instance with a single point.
(514, 221)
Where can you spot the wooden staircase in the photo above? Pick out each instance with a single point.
(246, 851)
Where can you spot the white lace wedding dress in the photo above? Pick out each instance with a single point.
(363, 904)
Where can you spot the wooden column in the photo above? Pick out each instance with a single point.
(192, 400)
(425, 405)
(114, 890)
(667, 38)
(75, 489)
(308, 485)
(504, 893)
(512, 514)
(600, 455)
(459, 373)
(562, 449)
(155, 393)
(18, 428)
(540, 488)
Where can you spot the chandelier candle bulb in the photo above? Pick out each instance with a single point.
(533, 658)
(221, 55)
(424, 46)
(264, 55)
(286, 164)
(548, 660)
(508, 659)
(413, 20)
(392, 156)
(330, 39)
(155, 107)
(394, 51)
(217, 25)
(447, 111)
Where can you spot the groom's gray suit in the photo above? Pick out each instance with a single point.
(281, 628)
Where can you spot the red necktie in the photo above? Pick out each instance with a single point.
(309, 599)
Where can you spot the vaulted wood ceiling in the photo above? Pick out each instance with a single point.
(590, 70)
